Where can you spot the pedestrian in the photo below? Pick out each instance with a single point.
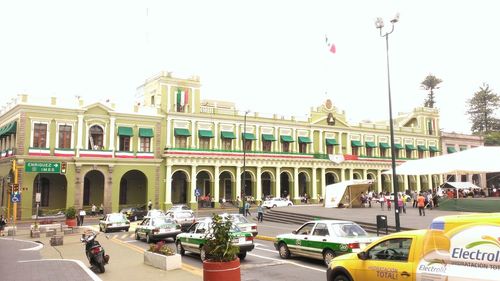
(150, 204)
(389, 203)
(414, 196)
(370, 197)
(260, 213)
(247, 209)
(3, 222)
(82, 214)
(101, 209)
(381, 200)
(94, 209)
(223, 202)
(421, 204)
(400, 203)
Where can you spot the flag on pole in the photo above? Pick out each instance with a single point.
(331, 46)
(182, 96)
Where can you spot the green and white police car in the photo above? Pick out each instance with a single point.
(156, 228)
(196, 236)
(323, 239)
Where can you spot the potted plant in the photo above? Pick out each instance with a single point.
(70, 216)
(35, 231)
(222, 262)
(162, 256)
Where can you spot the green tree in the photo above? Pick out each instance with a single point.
(481, 110)
(430, 84)
(492, 139)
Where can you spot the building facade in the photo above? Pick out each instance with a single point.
(178, 148)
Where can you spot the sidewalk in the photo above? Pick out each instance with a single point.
(126, 261)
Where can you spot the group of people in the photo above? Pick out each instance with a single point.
(93, 211)
(245, 208)
(421, 200)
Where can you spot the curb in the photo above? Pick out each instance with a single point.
(265, 238)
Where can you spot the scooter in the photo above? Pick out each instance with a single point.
(94, 251)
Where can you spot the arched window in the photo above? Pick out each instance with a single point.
(96, 137)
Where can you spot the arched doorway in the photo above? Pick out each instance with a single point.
(226, 186)
(386, 183)
(285, 185)
(93, 188)
(247, 184)
(303, 185)
(266, 184)
(133, 189)
(330, 178)
(179, 188)
(356, 176)
(53, 191)
(423, 183)
(203, 183)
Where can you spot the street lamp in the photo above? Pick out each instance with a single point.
(379, 23)
(244, 153)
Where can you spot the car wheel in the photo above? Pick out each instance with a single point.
(274, 206)
(289, 204)
(180, 250)
(135, 218)
(328, 255)
(148, 239)
(283, 251)
(137, 236)
(127, 230)
(203, 253)
(341, 277)
(105, 230)
(242, 255)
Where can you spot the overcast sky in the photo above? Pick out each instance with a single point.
(265, 56)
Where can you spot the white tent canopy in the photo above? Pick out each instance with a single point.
(483, 159)
(346, 192)
(460, 185)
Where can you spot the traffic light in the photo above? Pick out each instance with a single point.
(63, 167)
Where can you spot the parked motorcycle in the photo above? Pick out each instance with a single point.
(94, 251)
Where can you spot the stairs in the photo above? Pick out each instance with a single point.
(275, 215)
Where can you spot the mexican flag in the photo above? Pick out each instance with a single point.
(182, 96)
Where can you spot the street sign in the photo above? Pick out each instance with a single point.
(197, 192)
(38, 197)
(42, 167)
(15, 197)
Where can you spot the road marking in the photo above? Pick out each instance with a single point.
(80, 263)
(267, 250)
(288, 262)
(186, 267)
(131, 241)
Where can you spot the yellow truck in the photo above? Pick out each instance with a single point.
(454, 248)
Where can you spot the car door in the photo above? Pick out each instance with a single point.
(192, 241)
(302, 240)
(141, 228)
(318, 240)
(390, 259)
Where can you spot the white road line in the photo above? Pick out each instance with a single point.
(80, 263)
(36, 247)
(260, 245)
(288, 262)
(267, 250)
(131, 241)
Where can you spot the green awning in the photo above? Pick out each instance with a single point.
(8, 129)
(125, 131)
(146, 133)
(410, 147)
(451, 149)
(384, 145)
(304, 140)
(286, 138)
(331, 142)
(227, 135)
(266, 137)
(370, 144)
(182, 132)
(356, 143)
(422, 147)
(248, 136)
(205, 134)
(433, 149)
(398, 146)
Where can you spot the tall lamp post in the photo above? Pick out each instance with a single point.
(244, 153)
(379, 23)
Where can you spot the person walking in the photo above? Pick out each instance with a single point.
(421, 204)
(381, 200)
(101, 209)
(150, 204)
(247, 209)
(414, 196)
(260, 213)
(94, 209)
(3, 222)
(82, 215)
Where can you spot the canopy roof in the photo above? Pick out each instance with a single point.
(460, 185)
(482, 159)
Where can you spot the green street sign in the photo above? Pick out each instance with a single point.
(42, 167)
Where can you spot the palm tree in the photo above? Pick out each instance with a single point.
(430, 83)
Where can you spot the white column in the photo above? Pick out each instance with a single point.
(278, 182)
(79, 137)
(405, 181)
(365, 174)
(348, 144)
(419, 187)
(295, 141)
(321, 143)
(193, 185)
(216, 135)
(238, 139)
(351, 174)
(276, 144)
(429, 182)
(191, 100)
(238, 182)
(169, 144)
(168, 185)
(296, 183)
(167, 95)
(314, 186)
(379, 181)
(342, 174)
(322, 182)
(112, 136)
(193, 134)
(311, 136)
(340, 143)
(216, 184)
(258, 192)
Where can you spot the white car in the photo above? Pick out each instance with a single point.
(242, 223)
(277, 202)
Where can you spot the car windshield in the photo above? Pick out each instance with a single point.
(183, 215)
(116, 218)
(239, 219)
(155, 213)
(161, 221)
(348, 230)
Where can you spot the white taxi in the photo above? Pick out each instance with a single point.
(276, 202)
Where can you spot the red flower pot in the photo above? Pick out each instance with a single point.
(221, 271)
(71, 222)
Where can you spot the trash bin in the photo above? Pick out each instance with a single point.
(382, 223)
